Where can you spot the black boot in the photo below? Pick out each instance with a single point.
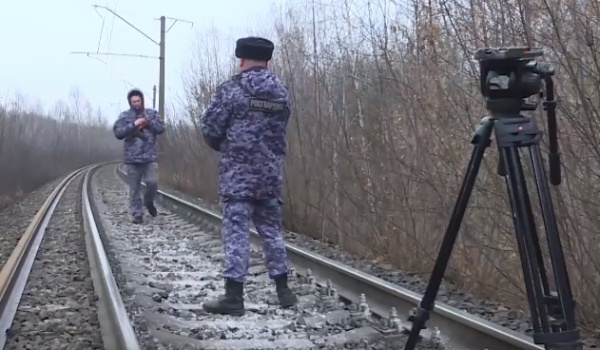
(149, 198)
(232, 303)
(151, 209)
(285, 295)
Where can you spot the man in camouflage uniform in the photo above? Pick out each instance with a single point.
(246, 122)
(139, 127)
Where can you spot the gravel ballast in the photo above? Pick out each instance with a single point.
(15, 218)
(169, 265)
(514, 319)
(58, 306)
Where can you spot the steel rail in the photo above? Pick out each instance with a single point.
(459, 329)
(115, 325)
(15, 271)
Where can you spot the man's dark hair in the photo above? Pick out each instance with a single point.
(135, 92)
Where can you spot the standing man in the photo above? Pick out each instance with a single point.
(139, 127)
(246, 122)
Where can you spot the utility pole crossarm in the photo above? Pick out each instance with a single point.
(161, 44)
(175, 20)
(124, 20)
(112, 54)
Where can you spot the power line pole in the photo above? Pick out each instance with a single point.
(161, 57)
(154, 97)
(161, 78)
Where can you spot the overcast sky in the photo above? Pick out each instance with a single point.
(38, 37)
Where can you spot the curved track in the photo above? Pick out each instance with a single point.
(169, 265)
(116, 328)
(151, 280)
(15, 271)
(453, 328)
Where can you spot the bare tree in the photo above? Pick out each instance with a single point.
(36, 148)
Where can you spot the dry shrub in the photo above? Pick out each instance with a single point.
(36, 148)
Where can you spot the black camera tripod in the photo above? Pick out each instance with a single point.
(508, 76)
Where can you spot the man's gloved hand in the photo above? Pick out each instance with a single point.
(140, 123)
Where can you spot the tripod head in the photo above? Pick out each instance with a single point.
(510, 75)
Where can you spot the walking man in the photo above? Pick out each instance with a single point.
(246, 122)
(139, 127)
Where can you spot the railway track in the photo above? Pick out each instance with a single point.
(16, 270)
(387, 303)
(46, 293)
(151, 279)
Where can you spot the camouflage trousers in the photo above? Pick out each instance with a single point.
(135, 173)
(235, 230)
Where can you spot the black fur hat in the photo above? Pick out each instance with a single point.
(254, 48)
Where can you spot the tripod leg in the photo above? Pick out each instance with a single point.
(481, 140)
(536, 243)
(561, 306)
(538, 251)
(517, 192)
(501, 170)
(511, 134)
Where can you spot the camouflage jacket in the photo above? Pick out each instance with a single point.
(139, 146)
(246, 122)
